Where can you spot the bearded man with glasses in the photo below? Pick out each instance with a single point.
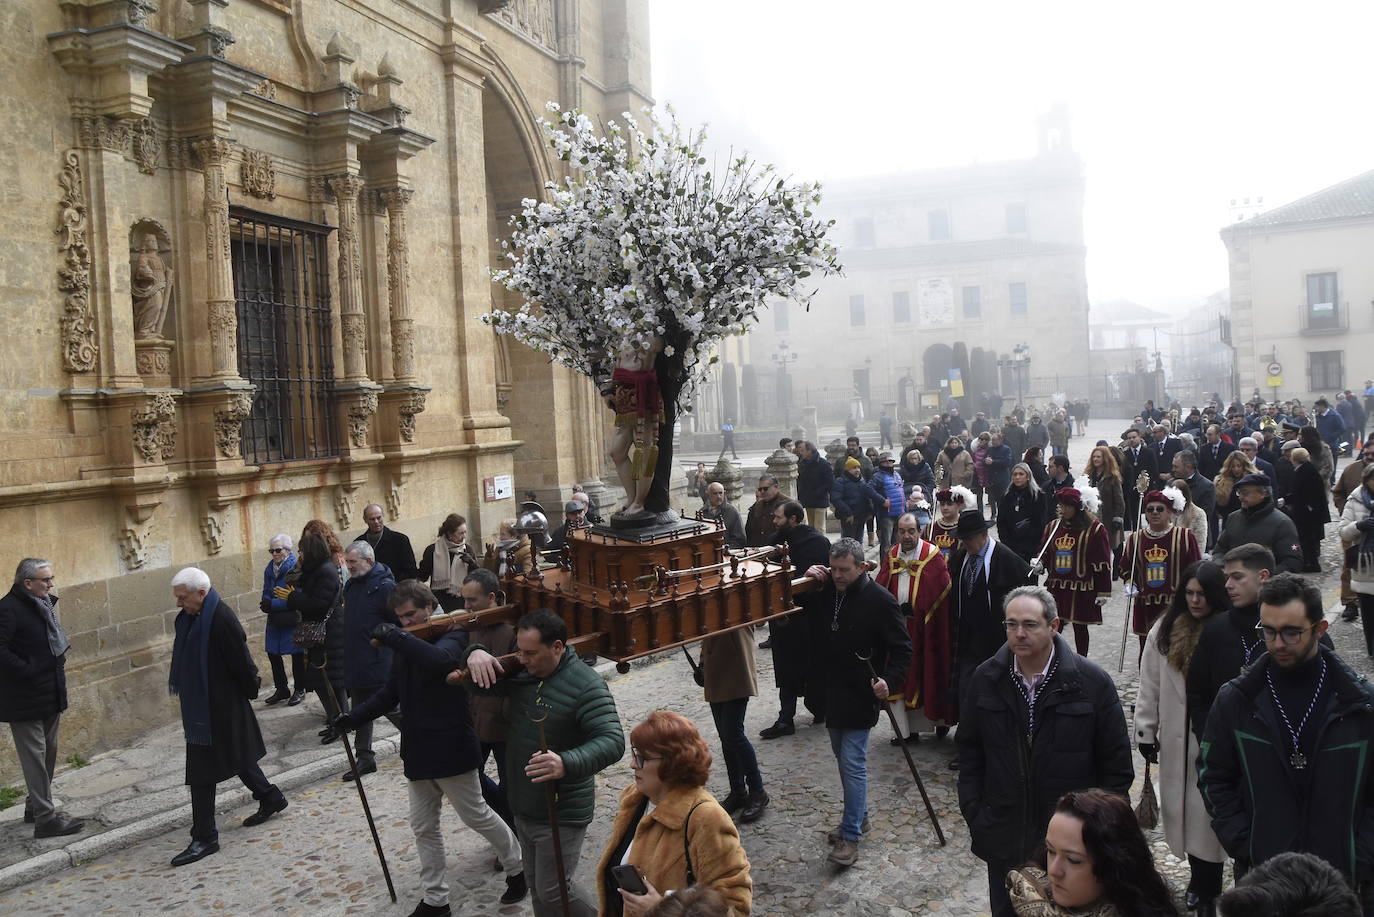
(1285, 753)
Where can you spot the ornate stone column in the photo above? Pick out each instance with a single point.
(352, 320)
(214, 154)
(398, 285)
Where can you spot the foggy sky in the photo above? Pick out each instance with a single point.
(1177, 107)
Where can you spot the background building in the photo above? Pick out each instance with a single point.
(944, 269)
(1128, 355)
(1200, 359)
(1302, 293)
(274, 223)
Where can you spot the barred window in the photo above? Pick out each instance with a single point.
(281, 289)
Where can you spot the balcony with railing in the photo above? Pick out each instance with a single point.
(1323, 317)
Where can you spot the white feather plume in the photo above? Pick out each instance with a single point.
(1091, 498)
(963, 494)
(1175, 497)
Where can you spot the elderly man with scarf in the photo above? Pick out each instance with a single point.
(214, 677)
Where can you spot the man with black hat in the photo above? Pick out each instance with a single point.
(1259, 521)
(982, 573)
(574, 514)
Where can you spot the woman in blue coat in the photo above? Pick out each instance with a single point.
(281, 624)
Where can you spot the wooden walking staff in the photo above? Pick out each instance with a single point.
(1142, 486)
(357, 781)
(551, 795)
(906, 750)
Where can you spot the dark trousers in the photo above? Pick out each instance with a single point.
(854, 529)
(203, 802)
(1205, 878)
(494, 791)
(999, 901)
(362, 736)
(787, 706)
(279, 671)
(1310, 540)
(1367, 619)
(741, 764)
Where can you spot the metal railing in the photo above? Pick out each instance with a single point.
(1323, 318)
(281, 290)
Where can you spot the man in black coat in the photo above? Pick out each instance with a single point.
(814, 477)
(866, 634)
(1259, 521)
(1036, 721)
(1284, 762)
(795, 638)
(390, 547)
(1211, 455)
(214, 678)
(33, 689)
(366, 667)
(439, 747)
(982, 573)
(1204, 492)
(1137, 458)
(1165, 446)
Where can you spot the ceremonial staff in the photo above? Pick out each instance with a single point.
(551, 795)
(357, 777)
(892, 718)
(1142, 485)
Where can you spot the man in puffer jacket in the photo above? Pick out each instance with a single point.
(888, 482)
(854, 499)
(584, 737)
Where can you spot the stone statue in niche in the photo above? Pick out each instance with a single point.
(151, 280)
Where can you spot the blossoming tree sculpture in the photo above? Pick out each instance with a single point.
(639, 263)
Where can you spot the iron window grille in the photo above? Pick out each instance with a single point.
(281, 292)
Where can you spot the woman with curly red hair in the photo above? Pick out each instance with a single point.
(669, 827)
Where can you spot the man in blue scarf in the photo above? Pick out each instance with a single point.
(215, 678)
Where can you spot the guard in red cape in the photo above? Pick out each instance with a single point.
(914, 571)
(1077, 552)
(1154, 557)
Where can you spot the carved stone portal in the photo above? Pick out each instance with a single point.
(229, 423)
(150, 281)
(79, 348)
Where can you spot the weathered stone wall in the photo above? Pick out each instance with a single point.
(413, 136)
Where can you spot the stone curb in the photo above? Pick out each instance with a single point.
(84, 849)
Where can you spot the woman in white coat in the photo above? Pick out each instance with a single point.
(1357, 534)
(1165, 736)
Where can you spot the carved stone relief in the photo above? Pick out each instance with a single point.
(229, 423)
(97, 132)
(395, 493)
(156, 362)
(345, 502)
(212, 525)
(155, 429)
(150, 280)
(79, 347)
(147, 149)
(257, 175)
(533, 17)
(133, 541)
(412, 405)
(267, 89)
(360, 418)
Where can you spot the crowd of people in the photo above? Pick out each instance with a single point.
(984, 553)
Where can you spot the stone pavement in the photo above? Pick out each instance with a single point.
(317, 857)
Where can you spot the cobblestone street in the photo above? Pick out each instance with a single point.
(316, 859)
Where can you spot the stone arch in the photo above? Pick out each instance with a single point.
(935, 365)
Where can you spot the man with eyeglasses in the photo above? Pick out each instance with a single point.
(1286, 749)
(33, 688)
(759, 527)
(1153, 559)
(1349, 483)
(1036, 721)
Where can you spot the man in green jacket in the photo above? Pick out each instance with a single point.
(584, 736)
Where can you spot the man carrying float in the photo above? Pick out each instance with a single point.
(914, 571)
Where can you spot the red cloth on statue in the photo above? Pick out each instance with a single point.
(921, 584)
(1079, 563)
(646, 400)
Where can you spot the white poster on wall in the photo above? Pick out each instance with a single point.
(937, 301)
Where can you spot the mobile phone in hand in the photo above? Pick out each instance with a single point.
(628, 878)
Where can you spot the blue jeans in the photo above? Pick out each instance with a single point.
(741, 764)
(851, 751)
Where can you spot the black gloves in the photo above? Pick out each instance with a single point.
(1366, 525)
(1150, 752)
(342, 723)
(382, 631)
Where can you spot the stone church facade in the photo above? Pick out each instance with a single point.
(247, 250)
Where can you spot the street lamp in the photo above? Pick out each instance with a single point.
(1018, 363)
(783, 359)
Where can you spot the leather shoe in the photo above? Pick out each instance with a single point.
(1351, 612)
(753, 809)
(296, 697)
(913, 739)
(197, 851)
(734, 802)
(266, 809)
(844, 853)
(516, 889)
(430, 910)
(766, 643)
(778, 729)
(1190, 900)
(832, 837)
(277, 697)
(58, 826)
(364, 767)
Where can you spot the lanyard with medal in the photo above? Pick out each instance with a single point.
(1297, 758)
